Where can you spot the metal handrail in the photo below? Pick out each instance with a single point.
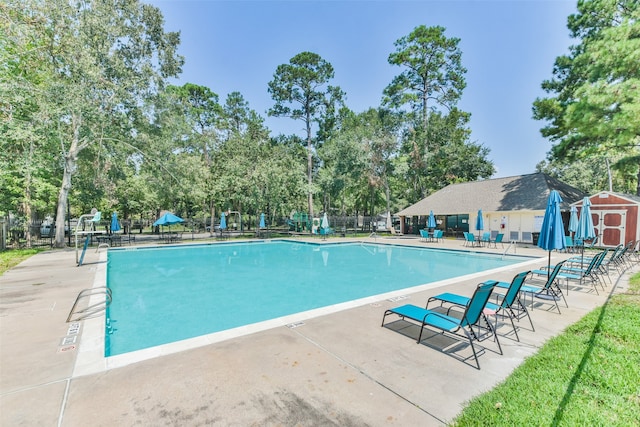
(102, 245)
(93, 309)
(512, 243)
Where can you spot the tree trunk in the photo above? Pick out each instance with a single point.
(63, 197)
(70, 163)
(26, 205)
(309, 168)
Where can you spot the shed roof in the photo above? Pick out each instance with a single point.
(632, 198)
(522, 192)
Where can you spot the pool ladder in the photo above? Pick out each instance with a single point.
(512, 244)
(92, 310)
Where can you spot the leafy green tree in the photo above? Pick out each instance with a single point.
(360, 157)
(26, 178)
(433, 76)
(102, 59)
(301, 91)
(593, 173)
(435, 143)
(594, 95)
(203, 115)
(455, 158)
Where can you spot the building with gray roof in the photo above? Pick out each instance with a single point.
(512, 205)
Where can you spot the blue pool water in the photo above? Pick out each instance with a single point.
(162, 295)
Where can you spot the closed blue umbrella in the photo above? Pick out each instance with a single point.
(552, 231)
(115, 224)
(479, 221)
(573, 220)
(262, 223)
(431, 222)
(223, 221)
(585, 230)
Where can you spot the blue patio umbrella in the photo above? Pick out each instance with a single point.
(431, 221)
(552, 231)
(573, 220)
(168, 219)
(223, 222)
(479, 221)
(262, 223)
(585, 229)
(115, 225)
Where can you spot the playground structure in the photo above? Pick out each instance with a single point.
(91, 220)
(300, 222)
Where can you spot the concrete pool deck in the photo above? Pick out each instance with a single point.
(339, 369)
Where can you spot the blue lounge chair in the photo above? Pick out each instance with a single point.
(571, 272)
(548, 291)
(437, 235)
(424, 235)
(473, 315)
(510, 301)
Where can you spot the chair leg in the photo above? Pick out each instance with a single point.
(526, 312)
(475, 355)
(510, 316)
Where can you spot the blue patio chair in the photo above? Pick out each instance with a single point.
(473, 315)
(424, 235)
(497, 240)
(571, 272)
(549, 290)
(438, 235)
(585, 269)
(510, 305)
(471, 240)
(325, 232)
(486, 238)
(466, 238)
(568, 242)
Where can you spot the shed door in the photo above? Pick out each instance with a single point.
(610, 226)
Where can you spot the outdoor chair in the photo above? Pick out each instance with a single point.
(473, 316)
(470, 240)
(549, 290)
(486, 238)
(509, 301)
(325, 232)
(424, 235)
(580, 271)
(629, 250)
(568, 242)
(438, 235)
(497, 240)
(608, 262)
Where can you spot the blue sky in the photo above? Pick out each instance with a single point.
(508, 48)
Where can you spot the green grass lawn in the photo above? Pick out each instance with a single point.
(14, 257)
(588, 376)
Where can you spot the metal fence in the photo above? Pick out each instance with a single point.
(41, 233)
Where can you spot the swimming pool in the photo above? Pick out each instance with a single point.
(162, 295)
